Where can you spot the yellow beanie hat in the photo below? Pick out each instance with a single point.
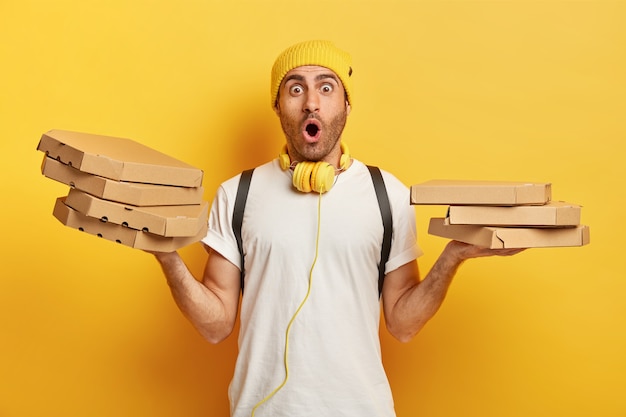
(321, 53)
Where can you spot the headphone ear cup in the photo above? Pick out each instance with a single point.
(284, 160)
(322, 177)
(344, 161)
(313, 176)
(302, 176)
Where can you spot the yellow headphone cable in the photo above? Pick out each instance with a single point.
(304, 300)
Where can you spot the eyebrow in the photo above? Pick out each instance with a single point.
(318, 77)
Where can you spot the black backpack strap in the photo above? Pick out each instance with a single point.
(383, 204)
(385, 212)
(240, 205)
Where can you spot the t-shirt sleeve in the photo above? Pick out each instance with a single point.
(404, 246)
(220, 236)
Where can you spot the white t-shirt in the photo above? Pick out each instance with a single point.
(334, 361)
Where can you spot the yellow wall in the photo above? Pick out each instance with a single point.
(514, 90)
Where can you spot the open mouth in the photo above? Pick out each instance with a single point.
(312, 129)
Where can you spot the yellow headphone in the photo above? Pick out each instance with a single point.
(314, 176)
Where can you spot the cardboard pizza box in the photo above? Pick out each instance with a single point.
(552, 214)
(168, 221)
(510, 237)
(462, 192)
(134, 193)
(118, 159)
(120, 234)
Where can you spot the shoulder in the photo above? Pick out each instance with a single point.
(230, 186)
(392, 183)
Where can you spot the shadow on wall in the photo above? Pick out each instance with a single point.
(169, 355)
(256, 133)
(174, 358)
(194, 373)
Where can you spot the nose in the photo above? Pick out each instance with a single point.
(312, 102)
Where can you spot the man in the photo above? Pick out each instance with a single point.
(308, 342)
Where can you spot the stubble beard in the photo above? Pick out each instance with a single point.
(317, 151)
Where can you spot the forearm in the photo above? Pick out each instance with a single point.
(420, 302)
(414, 304)
(201, 306)
(431, 292)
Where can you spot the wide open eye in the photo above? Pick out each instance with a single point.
(296, 90)
(327, 88)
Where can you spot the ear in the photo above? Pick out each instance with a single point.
(277, 108)
(347, 108)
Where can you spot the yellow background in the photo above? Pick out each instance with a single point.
(530, 91)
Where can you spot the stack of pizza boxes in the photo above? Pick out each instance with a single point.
(501, 214)
(124, 191)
